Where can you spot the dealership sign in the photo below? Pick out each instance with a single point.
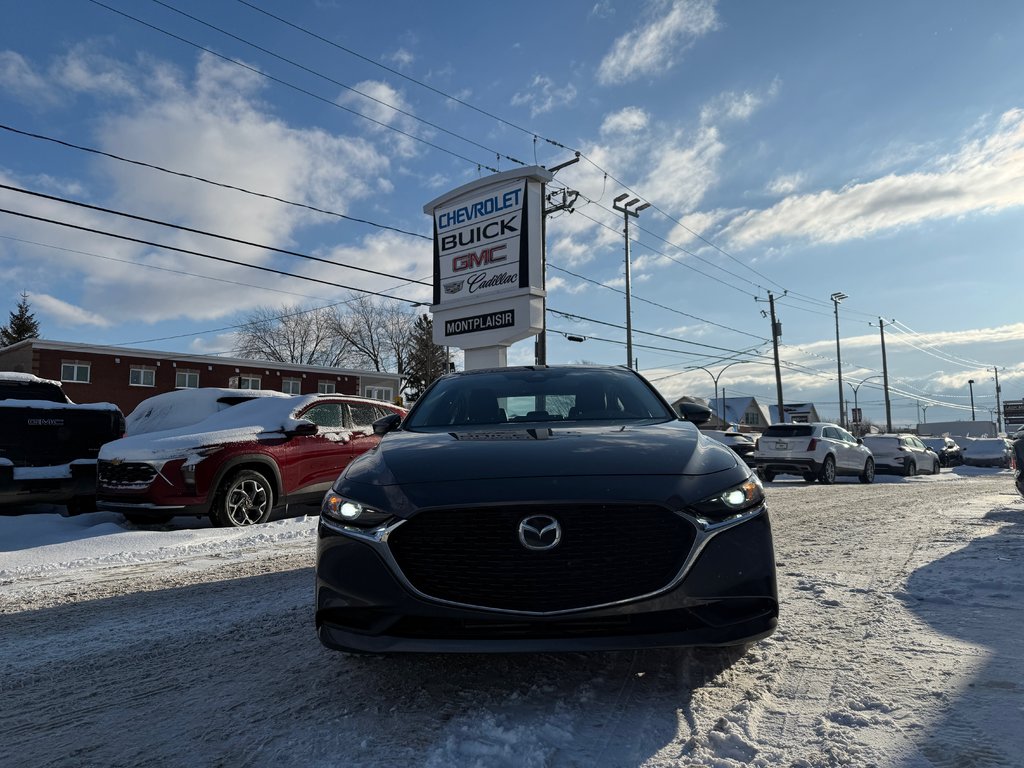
(488, 260)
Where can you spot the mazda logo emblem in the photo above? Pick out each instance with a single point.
(540, 532)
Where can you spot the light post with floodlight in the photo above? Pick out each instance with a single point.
(837, 297)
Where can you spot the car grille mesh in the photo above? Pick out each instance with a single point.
(126, 475)
(608, 553)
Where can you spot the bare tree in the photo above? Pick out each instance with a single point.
(378, 332)
(294, 335)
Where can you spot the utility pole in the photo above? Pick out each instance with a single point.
(540, 348)
(628, 210)
(776, 333)
(837, 297)
(999, 407)
(885, 379)
(970, 383)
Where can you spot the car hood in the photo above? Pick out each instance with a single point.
(671, 448)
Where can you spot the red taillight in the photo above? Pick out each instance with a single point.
(813, 445)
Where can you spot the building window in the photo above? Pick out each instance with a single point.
(248, 382)
(186, 379)
(142, 377)
(378, 393)
(72, 370)
(292, 386)
(325, 387)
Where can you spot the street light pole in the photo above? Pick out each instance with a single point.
(855, 387)
(714, 378)
(836, 298)
(628, 210)
(970, 383)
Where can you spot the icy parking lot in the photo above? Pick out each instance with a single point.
(900, 644)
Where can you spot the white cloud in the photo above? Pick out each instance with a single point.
(984, 175)
(731, 106)
(630, 120)
(654, 46)
(65, 314)
(402, 58)
(786, 184)
(685, 167)
(84, 69)
(19, 78)
(544, 95)
(213, 125)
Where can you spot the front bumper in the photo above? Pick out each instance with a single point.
(727, 595)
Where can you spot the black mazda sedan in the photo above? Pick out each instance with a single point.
(543, 509)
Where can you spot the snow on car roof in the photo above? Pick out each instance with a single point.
(183, 407)
(26, 378)
(238, 423)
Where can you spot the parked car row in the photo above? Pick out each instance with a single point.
(816, 452)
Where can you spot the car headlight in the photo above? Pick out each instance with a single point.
(351, 513)
(736, 500)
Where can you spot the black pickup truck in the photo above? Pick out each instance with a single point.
(49, 445)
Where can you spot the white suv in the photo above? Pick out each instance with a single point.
(902, 454)
(815, 451)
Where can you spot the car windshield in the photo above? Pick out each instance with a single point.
(525, 395)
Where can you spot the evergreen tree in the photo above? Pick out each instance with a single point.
(21, 326)
(427, 360)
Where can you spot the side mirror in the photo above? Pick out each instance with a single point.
(695, 412)
(303, 428)
(386, 424)
(860, 441)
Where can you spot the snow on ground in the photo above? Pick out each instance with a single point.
(901, 643)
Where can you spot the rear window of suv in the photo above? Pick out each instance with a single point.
(789, 430)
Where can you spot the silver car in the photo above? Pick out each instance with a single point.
(902, 455)
(816, 451)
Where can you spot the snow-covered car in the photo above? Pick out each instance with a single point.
(539, 509)
(947, 449)
(988, 452)
(817, 451)
(743, 444)
(233, 455)
(902, 455)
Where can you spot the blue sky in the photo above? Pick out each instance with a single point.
(802, 148)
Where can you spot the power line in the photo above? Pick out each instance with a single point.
(220, 184)
(201, 255)
(194, 231)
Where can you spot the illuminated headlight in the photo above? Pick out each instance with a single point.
(741, 498)
(352, 513)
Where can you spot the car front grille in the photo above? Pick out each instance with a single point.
(608, 553)
(125, 475)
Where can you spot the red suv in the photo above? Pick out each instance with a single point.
(233, 455)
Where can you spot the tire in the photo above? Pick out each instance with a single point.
(868, 475)
(936, 468)
(911, 469)
(244, 498)
(80, 505)
(810, 477)
(141, 518)
(767, 475)
(827, 475)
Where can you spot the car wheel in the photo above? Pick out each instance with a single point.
(911, 469)
(827, 475)
(139, 518)
(767, 475)
(936, 468)
(80, 505)
(868, 475)
(245, 498)
(810, 477)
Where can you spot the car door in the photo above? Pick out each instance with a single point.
(851, 460)
(315, 461)
(837, 447)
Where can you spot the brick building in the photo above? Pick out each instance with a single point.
(126, 377)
